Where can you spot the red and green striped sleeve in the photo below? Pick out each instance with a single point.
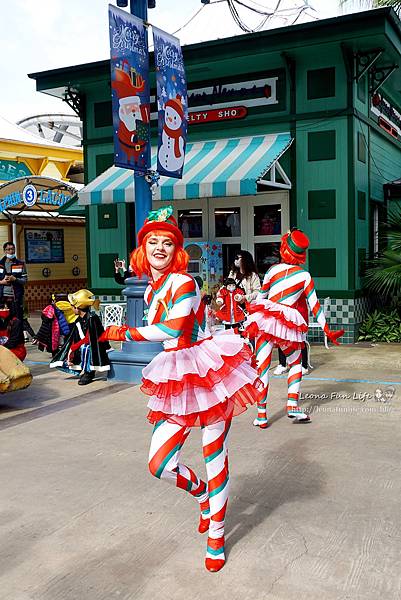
(182, 303)
(313, 302)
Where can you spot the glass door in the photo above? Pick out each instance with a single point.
(268, 221)
(191, 218)
(227, 224)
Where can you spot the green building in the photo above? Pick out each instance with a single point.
(318, 109)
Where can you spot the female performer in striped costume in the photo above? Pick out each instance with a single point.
(276, 321)
(194, 381)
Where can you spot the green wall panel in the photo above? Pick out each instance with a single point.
(361, 261)
(361, 205)
(331, 175)
(362, 143)
(385, 164)
(321, 145)
(102, 114)
(106, 264)
(322, 262)
(103, 162)
(321, 83)
(322, 204)
(328, 56)
(109, 242)
(107, 216)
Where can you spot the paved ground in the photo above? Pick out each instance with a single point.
(313, 513)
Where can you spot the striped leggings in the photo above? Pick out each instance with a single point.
(164, 463)
(264, 350)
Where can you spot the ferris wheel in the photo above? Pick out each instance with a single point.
(63, 129)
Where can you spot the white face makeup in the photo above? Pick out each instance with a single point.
(160, 251)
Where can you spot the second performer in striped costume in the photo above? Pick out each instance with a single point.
(275, 321)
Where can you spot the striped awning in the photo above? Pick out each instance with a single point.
(215, 168)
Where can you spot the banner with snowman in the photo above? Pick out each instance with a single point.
(172, 100)
(130, 90)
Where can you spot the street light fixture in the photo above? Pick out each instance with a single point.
(124, 3)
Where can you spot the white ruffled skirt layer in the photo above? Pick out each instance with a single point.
(281, 324)
(207, 382)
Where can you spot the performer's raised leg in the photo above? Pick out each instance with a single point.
(264, 351)
(294, 383)
(164, 454)
(214, 440)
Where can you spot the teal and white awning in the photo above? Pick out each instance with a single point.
(218, 168)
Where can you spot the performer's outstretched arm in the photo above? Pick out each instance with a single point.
(317, 311)
(176, 319)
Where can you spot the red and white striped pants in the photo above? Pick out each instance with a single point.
(164, 463)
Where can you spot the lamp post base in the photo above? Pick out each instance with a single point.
(127, 363)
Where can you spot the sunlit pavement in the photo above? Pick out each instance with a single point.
(313, 512)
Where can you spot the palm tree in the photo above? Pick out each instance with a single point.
(396, 4)
(383, 276)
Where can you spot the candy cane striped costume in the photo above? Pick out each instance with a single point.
(275, 321)
(196, 381)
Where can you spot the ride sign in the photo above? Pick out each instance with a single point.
(29, 195)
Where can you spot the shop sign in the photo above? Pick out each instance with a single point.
(31, 196)
(388, 117)
(259, 92)
(267, 92)
(11, 169)
(216, 114)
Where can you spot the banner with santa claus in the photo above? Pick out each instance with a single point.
(172, 103)
(130, 90)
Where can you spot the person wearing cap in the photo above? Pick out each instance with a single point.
(274, 320)
(196, 381)
(82, 353)
(13, 278)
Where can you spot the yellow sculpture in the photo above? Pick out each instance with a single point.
(14, 375)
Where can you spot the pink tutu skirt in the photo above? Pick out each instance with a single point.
(205, 383)
(277, 323)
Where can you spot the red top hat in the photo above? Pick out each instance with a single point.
(161, 219)
(293, 247)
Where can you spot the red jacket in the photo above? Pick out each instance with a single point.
(230, 310)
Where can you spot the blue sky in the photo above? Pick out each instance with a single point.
(48, 34)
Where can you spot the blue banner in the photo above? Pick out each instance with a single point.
(130, 90)
(172, 104)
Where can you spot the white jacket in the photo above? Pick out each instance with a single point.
(250, 284)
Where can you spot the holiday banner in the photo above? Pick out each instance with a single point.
(172, 104)
(130, 90)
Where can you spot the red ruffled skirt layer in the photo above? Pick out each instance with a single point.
(203, 384)
(280, 324)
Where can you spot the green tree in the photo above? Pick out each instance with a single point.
(396, 4)
(383, 276)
